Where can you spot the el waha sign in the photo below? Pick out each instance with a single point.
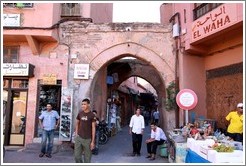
(214, 21)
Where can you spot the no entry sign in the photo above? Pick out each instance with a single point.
(186, 99)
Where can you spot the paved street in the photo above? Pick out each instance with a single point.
(117, 150)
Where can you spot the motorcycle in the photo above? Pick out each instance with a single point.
(103, 133)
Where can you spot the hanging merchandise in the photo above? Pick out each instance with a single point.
(66, 114)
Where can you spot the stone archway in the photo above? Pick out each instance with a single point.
(161, 73)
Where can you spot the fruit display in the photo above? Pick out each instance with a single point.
(223, 148)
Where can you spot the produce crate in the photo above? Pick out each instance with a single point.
(236, 156)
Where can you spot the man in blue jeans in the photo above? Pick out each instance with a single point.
(48, 121)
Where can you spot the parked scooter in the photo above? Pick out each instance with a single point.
(104, 133)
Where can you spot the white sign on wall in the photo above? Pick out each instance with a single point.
(81, 71)
(15, 69)
(11, 20)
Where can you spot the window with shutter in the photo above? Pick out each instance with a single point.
(11, 54)
(201, 9)
(70, 9)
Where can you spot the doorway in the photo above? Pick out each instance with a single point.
(14, 111)
(48, 94)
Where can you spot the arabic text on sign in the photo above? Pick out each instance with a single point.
(217, 19)
(11, 19)
(49, 79)
(186, 99)
(15, 69)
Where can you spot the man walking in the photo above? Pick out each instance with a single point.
(156, 116)
(48, 121)
(157, 138)
(85, 131)
(136, 130)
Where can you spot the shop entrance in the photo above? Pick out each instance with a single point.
(48, 94)
(14, 111)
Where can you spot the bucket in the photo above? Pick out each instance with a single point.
(163, 150)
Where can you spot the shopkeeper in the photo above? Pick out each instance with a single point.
(235, 128)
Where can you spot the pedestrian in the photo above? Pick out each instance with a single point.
(48, 121)
(136, 130)
(235, 128)
(95, 150)
(156, 116)
(157, 137)
(147, 117)
(85, 131)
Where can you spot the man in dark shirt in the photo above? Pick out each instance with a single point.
(84, 133)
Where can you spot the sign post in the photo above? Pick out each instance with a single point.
(186, 100)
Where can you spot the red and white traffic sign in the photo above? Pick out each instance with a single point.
(186, 99)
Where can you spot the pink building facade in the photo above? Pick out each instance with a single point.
(209, 45)
(33, 73)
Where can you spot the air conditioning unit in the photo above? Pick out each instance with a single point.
(176, 30)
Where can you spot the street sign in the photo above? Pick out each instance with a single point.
(186, 100)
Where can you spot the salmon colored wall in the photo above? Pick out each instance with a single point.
(56, 12)
(38, 16)
(86, 10)
(102, 12)
(192, 76)
(166, 12)
(43, 65)
(192, 69)
(226, 58)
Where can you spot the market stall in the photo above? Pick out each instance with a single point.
(202, 151)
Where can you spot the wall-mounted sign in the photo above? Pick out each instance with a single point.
(11, 20)
(49, 79)
(218, 19)
(66, 114)
(81, 71)
(18, 69)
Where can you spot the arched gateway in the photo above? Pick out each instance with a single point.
(101, 44)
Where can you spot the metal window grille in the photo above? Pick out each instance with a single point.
(70, 9)
(202, 9)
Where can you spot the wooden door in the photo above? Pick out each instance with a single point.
(223, 94)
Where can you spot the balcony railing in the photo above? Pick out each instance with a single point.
(203, 9)
(70, 9)
(18, 5)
